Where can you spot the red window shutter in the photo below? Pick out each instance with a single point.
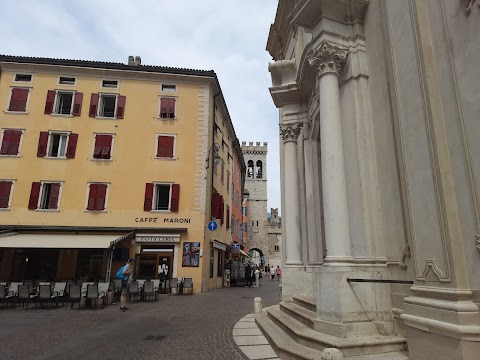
(107, 146)
(92, 196)
(49, 102)
(228, 218)
(175, 200)
(171, 108)
(34, 193)
(163, 107)
(15, 142)
(77, 104)
(101, 195)
(18, 100)
(216, 198)
(6, 141)
(42, 144)
(148, 203)
(93, 105)
(5, 188)
(161, 146)
(222, 210)
(72, 145)
(97, 150)
(121, 106)
(169, 144)
(54, 192)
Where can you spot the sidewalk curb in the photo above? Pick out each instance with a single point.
(251, 341)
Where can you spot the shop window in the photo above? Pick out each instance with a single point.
(63, 103)
(165, 146)
(103, 147)
(220, 264)
(97, 196)
(11, 142)
(107, 106)
(5, 193)
(65, 80)
(162, 197)
(18, 99)
(44, 196)
(167, 107)
(57, 145)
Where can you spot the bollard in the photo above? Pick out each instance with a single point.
(332, 354)
(257, 305)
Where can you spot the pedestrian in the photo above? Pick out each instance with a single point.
(257, 277)
(272, 273)
(260, 276)
(248, 276)
(127, 274)
(278, 272)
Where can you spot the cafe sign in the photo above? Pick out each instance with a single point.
(158, 238)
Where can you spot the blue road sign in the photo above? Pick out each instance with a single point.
(212, 226)
(236, 246)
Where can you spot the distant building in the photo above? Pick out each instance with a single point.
(274, 234)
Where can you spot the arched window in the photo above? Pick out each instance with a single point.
(250, 169)
(259, 169)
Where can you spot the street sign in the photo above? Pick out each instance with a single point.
(236, 246)
(212, 226)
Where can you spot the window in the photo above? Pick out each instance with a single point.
(169, 88)
(112, 84)
(277, 248)
(63, 103)
(44, 196)
(57, 145)
(223, 171)
(227, 217)
(107, 106)
(259, 169)
(250, 169)
(5, 193)
(18, 100)
(97, 196)
(23, 77)
(10, 142)
(218, 207)
(165, 146)
(103, 146)
(228, 181)
(167, 108)
(162, 197)
(220, 264)
(64, 80)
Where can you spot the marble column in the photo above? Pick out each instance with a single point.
(291, 213)
(328, 60)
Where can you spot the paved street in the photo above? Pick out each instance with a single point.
(175, 327)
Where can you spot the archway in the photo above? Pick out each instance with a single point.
(256, 256)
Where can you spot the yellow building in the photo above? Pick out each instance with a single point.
(104, 161)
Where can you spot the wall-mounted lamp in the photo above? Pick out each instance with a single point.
(216, 157)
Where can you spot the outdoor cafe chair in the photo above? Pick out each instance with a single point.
(25, 295)
(12, 292)
(84, 287)
(74, 295)
(69, 283)
(59, 292)
(117, 289)
(93, 294)
(44, 294)
(103, 288)
(134, 290)
(141, 283)
(149, 290)
(174, 285)
(156, 285)
(188, 284)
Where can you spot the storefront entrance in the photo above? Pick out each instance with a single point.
(155, 262)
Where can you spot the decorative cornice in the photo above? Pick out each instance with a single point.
(328, 58)
(290, 132)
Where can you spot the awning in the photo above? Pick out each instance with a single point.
(244, 253)
(219, 245)
(58, 241)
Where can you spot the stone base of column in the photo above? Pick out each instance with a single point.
(296, 281)
(352, 309)
(443, 323)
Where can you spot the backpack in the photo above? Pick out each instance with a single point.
(120, 273)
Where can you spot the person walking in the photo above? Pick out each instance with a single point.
(248, 277)
(272, 273)
(127, 274)
(278, 272)
(257, 277)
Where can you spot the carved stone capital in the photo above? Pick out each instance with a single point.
(328, 58)
(290, 132)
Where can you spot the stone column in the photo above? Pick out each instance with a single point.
(293, 234)
(327, 60)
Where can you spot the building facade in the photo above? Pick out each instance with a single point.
(256, 193)
(104, 161)
(378, 110)
(274, 235)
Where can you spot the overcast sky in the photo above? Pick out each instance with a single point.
(228, 37)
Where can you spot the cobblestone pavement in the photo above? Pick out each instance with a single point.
(182, 327)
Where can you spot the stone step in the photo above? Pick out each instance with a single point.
(299, 313)
(284, 345)
(308, 303)
(398, 355)
(352, 346)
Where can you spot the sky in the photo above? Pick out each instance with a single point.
(227, 36)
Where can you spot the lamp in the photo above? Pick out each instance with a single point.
(216, 157)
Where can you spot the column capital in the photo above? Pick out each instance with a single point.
(328, 58)
(290, 132)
